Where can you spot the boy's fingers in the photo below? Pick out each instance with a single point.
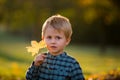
(41, 57)
(44, 56)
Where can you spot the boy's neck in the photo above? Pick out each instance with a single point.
(56, 54)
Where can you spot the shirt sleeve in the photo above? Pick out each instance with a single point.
(76, 72)
(32, 72)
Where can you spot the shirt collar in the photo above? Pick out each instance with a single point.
(58, 56)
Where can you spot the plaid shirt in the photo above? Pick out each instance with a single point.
(61, 67)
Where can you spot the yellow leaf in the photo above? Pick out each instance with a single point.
(42, 44)
(34, 43)
(36, 47)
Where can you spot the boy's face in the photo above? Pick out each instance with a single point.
(55, 40)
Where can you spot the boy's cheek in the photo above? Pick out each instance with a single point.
(47, 43)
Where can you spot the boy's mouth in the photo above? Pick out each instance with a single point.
(53, 47)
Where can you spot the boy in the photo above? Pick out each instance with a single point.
(55, 64)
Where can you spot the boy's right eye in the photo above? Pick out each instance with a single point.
(49, 37)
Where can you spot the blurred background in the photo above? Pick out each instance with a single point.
(95, 41)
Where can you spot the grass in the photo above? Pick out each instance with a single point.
(15, 59)
(93, 61)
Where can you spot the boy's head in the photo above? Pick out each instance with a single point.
(59, 23)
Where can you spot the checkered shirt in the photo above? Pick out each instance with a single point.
(61, 67)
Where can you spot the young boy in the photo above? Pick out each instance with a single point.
(55, 64)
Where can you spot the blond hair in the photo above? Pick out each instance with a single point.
(59, 23)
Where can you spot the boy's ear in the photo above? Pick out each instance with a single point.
(68, 41)
(42, 37)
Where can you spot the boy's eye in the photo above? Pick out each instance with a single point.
(49, 37)
(58, 37)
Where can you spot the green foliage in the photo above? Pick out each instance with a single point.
(87, 17)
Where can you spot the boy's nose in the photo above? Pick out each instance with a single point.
(53, 41)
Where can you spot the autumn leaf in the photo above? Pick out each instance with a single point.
(36, 47)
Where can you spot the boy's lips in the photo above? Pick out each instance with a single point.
(53, 46)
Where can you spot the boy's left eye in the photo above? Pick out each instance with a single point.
(58, 37)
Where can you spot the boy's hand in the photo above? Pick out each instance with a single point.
(39, 59)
